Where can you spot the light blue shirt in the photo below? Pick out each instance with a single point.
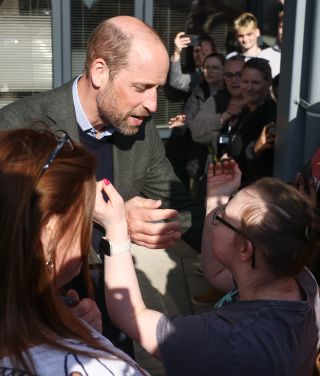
(82, 119)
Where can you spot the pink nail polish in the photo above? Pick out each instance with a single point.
(106, 181)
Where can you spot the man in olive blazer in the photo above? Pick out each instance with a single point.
(140, 167)
(126, 62)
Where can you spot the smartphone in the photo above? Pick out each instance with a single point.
(194, 39)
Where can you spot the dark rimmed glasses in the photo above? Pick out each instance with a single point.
(230, 75)
(217, 218)
(63, 138)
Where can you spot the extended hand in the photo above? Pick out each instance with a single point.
(266, 139)
(307, 189)
(146, 223)
(223, 179)
(177, 121)
(110, 215)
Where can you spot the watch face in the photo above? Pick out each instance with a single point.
(104, 247)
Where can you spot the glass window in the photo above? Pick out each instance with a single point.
(25, 48)
(85, 16)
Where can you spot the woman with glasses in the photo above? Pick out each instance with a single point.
(256, 242)
(250, 137)
(206, 125)
(47, 190)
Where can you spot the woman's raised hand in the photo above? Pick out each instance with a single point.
(111, 214)
(223, 179)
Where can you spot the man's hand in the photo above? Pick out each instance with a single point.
(87, 310)
(146, 223)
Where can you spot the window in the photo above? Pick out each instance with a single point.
(25, 48)
(85, 16)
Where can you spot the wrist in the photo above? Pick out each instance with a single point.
(214, 202)
(176, 56)
(111, 248)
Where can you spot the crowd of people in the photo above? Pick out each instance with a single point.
(83, 175)
(232, 110)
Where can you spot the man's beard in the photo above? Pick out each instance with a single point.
(107, 108)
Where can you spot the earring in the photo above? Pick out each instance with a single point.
(49, 263)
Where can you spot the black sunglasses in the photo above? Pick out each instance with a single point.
(63, 138)
(217, 218)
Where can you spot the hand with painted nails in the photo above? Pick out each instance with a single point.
(224, 177)
(111, 214)
(151, 226)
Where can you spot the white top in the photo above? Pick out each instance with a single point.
(49, 361)
(273, 55)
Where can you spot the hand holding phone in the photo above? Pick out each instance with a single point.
(194, 39)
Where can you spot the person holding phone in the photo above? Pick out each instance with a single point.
(202, 47)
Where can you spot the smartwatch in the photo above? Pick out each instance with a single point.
(107, 248)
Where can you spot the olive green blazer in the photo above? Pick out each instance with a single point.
(140, 167)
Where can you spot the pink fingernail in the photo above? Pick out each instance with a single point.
(106, 181)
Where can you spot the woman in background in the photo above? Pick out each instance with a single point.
(254, 124)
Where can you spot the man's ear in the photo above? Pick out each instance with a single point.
(99, 72)
(257, 32)
(48, 232)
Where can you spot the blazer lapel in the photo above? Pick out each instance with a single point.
(61, 111)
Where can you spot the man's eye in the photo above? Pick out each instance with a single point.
(140, 89)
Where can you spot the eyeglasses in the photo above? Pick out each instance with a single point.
(63, 138)
(229, 75)
(217, 218)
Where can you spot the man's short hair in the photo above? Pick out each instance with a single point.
(244, 21)
(109, 43)
(112, 44)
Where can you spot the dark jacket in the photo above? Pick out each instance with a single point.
(243, 136)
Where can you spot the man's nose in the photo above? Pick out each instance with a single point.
(150, 102)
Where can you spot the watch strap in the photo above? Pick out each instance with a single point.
(110, 248)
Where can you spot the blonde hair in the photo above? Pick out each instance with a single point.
(244, 21)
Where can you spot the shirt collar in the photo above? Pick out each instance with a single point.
(82, 119)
